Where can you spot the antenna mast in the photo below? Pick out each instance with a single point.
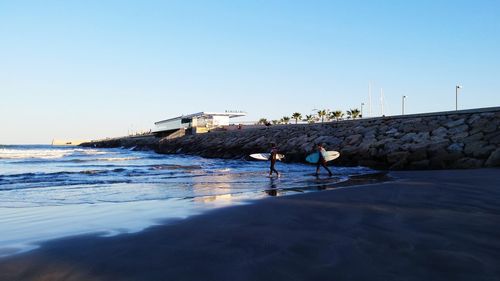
(382, 101)
(370, 98)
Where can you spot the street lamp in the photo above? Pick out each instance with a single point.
(403, 106)
(456, 96)
(362, 109)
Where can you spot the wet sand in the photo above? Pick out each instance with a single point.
(428, 225)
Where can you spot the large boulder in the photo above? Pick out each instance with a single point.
(439, 132)
(467, 163)
(454, 123)
(478, 149)
(494, 159)
(455, 147)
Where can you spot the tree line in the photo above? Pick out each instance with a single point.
(320, 116)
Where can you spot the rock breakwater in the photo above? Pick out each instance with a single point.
(457, 139)
(149, 142)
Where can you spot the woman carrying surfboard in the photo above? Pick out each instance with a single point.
(274, 152)
(321, 151)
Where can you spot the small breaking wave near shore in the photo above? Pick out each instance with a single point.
(42, 152)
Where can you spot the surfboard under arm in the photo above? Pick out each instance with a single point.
(266, 156)
(328, 155)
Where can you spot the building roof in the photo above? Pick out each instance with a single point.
(230, 114)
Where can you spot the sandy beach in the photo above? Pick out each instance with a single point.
(422, 225)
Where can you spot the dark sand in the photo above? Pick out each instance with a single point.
(429, 225)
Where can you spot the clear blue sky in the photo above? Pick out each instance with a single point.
(90, 69)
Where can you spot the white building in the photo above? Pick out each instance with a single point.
(200, 122)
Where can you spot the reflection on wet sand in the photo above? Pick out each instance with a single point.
(223, 199)
(200, 187)
(319, 183)
(272, 191)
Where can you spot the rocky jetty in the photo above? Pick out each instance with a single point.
(443, 140)
(147, 142)
(456, 139)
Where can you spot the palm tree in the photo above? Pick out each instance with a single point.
(322, 114)
(354, 113)
(296, 116)
(309, 119)
(262, 121)
(275, 122)
(285, 119)
(337, 115)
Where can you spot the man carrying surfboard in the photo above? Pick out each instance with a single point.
(321, 151)
(274, 152)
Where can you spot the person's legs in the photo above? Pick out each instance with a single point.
(276, 171)
(326, 167)
(272, 169)
(317, 167)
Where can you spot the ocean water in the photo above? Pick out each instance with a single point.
(49, 192)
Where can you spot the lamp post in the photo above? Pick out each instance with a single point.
(362, 109)
(403, 105)
(456, 96)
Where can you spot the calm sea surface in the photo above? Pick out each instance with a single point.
(49, 192)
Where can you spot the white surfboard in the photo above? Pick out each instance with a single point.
(266, 156)
(329, 156)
